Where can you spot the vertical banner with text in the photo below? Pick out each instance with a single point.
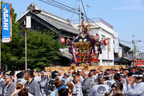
(6, 23)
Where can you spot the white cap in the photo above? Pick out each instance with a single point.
(79, 70)
(86, 72)
(127, 71)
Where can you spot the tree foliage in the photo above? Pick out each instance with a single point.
(42, 49)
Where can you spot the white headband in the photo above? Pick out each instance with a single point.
(137, 75)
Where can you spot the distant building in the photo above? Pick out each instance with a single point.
(130, 54)
(104, 30)
(123, 57)
(141, 56)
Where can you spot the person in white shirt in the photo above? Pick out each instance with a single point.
(77, 90)
(138, 89)
(100, 89)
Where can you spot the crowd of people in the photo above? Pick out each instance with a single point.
(109, 82)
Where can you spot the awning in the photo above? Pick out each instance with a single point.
(122, 60)
(65, 53)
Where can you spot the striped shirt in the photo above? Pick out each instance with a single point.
(33, 88)
(8, 89)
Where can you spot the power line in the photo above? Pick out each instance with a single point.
(59, 6)
(73, 13)
(63, 5)
(84, 10)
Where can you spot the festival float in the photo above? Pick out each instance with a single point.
(85, 48)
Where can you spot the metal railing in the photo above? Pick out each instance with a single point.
(94, 20)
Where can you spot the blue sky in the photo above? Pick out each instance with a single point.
(126, 16)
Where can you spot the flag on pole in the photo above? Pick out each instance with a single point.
(6, 23)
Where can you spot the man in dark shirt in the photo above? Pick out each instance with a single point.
(20, 78)
(31, 84)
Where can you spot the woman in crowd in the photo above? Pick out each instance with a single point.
(66, 90)
(21, 90)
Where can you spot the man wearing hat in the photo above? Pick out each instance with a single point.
(138, 89)
(80, 73)
(65, 79)
(107, 79)
(77, 90)
(9, 86)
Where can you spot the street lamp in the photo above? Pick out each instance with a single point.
(36, 12)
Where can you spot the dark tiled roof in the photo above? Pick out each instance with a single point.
(59, 24)
(52, 19)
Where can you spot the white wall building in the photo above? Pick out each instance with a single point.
(104, 30)
(141, 56)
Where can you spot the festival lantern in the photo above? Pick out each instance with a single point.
(106, 41)
(62, 40)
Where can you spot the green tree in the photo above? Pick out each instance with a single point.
(42, 49)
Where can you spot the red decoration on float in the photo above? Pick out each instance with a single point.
(76, 52)
(97, 38)
(106, 41)
(62, 40)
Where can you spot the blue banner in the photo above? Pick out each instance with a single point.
(6, 23)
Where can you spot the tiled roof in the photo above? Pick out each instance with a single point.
(57, 22)
(52, 19)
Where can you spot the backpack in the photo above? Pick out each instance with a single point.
(51, 85)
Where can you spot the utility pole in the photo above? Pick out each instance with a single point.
(25, 44)
(80, 15)
(0, 30)
(134, 50)
(28, 25)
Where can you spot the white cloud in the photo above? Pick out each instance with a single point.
(132, 5)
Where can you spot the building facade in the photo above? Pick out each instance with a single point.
(45, 21)
(123, 57)
(141, 56)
